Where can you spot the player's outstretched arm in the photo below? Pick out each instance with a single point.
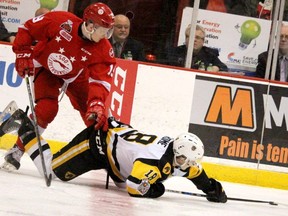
(211, 187)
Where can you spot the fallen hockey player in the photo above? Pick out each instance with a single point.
(134, 160)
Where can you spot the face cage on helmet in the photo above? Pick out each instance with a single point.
(107, 31)
(102, 30)
(187, 163)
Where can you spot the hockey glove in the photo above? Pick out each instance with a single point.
(24, 63)
(156, 190)
(150, 190)
(96, 114)
(216, 192)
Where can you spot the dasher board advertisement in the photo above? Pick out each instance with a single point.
(228, 115)
(16, 12)
(239, 39)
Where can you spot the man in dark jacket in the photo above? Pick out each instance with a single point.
(282, 59)
(4, 34)
(202, 55)
(124, 46)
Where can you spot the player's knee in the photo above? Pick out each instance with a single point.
(46, 110)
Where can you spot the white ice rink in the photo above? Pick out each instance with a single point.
(25, 193)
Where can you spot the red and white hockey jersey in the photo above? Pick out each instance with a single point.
(67, 55)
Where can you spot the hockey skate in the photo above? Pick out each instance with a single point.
(8, 111)
(13, 123)
(12, 159)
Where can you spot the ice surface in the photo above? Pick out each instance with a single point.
(25, 193)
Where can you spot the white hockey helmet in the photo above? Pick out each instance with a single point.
(188, 149)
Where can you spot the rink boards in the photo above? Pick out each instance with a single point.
(241, 121)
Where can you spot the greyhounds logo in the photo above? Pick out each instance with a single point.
(59, 64)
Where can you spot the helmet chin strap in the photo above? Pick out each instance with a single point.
(86, 33)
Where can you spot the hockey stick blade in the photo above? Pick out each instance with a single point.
(8, 111)
(48, 180)
(228, 198)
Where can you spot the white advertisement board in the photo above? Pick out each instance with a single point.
(16, 12)
(159, 109)
(12, 86)
(239, 39)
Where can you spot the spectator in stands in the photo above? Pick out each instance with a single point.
(201, 53)
(282, 61)
(124, 46)
(285, 15)
(266, 9)
(238, 7)
(41, 11)
(5, 35)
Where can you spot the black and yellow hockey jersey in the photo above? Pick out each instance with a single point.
(140, 160)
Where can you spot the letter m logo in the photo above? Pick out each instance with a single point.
(232, 107)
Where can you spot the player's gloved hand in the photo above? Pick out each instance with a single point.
(216, 192)
(155, 190)
(96, 114)
(24, 62)
(148, 190)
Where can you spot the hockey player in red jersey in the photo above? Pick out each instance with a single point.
(71, 54)
(135, 160)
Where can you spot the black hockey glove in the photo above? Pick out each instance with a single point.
(156, 190)
(216, 192)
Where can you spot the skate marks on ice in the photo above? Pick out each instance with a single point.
(24, 193)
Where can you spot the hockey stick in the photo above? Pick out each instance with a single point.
(107, 176)
(229, 198)
(47, 178)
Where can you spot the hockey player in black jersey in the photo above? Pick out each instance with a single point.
(137, 161)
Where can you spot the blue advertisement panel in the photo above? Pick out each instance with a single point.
(12, 86)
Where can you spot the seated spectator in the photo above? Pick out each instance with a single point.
(285, 14)
(201, 53)
(124, 46)
(282, 59)
(4, 34)
(266, 9)
(237, 7)
(10, 36)
(41, 11)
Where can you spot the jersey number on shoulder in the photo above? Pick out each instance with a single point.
(144, 139)
(38, 18)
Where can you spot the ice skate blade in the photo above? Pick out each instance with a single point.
(7, 167)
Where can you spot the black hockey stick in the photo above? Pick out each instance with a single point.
(107, 180)
(47, 178)
(229, 198)
(107, 176)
